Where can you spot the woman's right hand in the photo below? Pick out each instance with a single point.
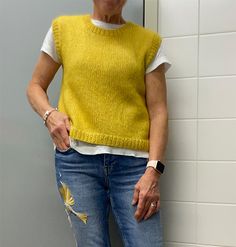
(58, 125)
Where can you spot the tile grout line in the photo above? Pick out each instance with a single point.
(198, 76)
(202, 119)
(208, 161)
(229, 204)
(198, 33)
(196, 183)
(200, 245)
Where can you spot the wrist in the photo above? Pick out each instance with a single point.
(153, 171)
(43, 110)
(47, 114)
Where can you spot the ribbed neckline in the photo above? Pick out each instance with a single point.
(99, 30)
(105, 24)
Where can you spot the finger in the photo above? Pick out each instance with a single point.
(55, 139)
(150, 212)
(140, 207)
(149, 200)
(158, 205)
(146, 208)
(59, 132)
(64, 137)
(60, 145)
(135, 196)
(60, 137)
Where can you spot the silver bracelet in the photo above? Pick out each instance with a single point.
(47, 113)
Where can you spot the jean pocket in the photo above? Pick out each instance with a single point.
(64, 151)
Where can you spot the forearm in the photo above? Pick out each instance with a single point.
(158, 136)
(38, 99)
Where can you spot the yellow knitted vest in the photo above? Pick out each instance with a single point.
(103, 86)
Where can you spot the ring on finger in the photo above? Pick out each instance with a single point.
(153, 204)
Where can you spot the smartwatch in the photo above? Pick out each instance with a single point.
(157, 165)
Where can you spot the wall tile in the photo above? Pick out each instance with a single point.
(176, 20)
(216, 139)
(182, 52)
(216, 224)
(217, 97)
(182, 98)
(179, 221)
(216, 182)
(217, 16)
(178, 182)
(170, 244)
(182, 139)
(217, 54)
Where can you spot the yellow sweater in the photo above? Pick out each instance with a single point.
(103, 86)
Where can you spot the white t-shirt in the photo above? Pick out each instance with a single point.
(48, 47)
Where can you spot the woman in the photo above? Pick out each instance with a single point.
(110, 128)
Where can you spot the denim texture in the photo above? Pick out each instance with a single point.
(95, 184)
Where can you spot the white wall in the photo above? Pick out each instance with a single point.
(198, 189)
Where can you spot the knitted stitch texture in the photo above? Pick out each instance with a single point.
(103, 86)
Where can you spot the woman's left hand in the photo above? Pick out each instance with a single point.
(147, 191)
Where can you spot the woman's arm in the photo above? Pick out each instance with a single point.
(36, 91)
(44, 72)
(146, 190)
(156, 98)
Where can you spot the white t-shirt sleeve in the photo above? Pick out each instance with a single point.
(158, 60)
(48, 46)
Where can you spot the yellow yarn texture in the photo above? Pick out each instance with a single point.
(103, 81)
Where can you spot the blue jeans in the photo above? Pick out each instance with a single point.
(90, 184)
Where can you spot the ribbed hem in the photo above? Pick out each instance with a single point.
(110, 140)
(102, 31)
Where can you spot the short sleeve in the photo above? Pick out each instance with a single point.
(56, 30)
(153, 49)
(159, 59)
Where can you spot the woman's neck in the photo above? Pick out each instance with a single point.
(113, 19)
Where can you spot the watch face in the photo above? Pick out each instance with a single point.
(160, 166)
